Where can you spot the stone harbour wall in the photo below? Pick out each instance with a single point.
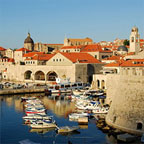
(126, 95)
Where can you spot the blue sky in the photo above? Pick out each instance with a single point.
(49, 21)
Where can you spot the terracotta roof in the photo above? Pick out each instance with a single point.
(133, 63)
(113, 58)
(41, 57)
(131, 53)
(2, 49)
(72, 47)
(112, 64)
(23, 49)
(141, 40)
(80, 57)
(31, 54)
(94, 48)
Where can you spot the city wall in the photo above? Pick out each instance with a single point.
(126, 95)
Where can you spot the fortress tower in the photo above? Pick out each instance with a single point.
(134, 40)
(127, 107)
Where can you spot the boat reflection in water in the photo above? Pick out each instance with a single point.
(41, 131)
(62, 108)
(58, 107)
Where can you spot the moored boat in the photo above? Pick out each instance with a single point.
(67, 129)
(42, 125)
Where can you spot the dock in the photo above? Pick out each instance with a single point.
(21, 91)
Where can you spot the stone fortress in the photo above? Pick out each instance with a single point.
(124, 79)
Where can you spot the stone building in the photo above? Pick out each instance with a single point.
(9, 53)
(2, 51)
(76, 42)
(47, 48)
(45, 68)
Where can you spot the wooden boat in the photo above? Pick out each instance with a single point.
(67, 129)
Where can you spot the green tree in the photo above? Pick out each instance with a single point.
(126, 42)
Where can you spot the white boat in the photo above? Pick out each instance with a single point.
(35, 109)
(42, 125)
(67, 129)
(31, 121)
(78, 92)
(76, 116)
(36, 116)
(88, 106)
(101, 110)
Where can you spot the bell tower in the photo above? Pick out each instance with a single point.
(134, 40)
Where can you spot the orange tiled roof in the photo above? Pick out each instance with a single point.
(141, 40)
(94, 48)
(131, 53)
(133, 63)
(113, 58)
(23, 49)
(41, 57)
(117, 64)
(31, 54)
(2, 49)
(80, 57)
(72, 47)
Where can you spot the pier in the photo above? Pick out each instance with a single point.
(21, 91)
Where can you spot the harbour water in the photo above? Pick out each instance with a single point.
(14, 131)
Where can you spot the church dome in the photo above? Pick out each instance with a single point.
(29, 39)
(122, 48)
(134, 29)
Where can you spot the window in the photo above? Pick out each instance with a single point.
(132, 39)
(53, 59)
(59, 59)
(139, 126)
(56, 59)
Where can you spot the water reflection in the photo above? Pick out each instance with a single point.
(60, 108)
(41, 131)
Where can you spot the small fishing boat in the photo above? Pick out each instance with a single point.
(67, 129)
(43, 124)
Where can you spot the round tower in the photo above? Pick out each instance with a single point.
(127, 103)
(29, 43)
(134, 40)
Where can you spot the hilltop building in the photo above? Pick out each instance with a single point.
(76, 42)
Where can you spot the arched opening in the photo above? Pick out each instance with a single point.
(139, 126)
(51, 76)
(103, 84)
(39, 75)
(98, 83)
(27, 75)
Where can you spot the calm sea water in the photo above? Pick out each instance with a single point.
(13, 131)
